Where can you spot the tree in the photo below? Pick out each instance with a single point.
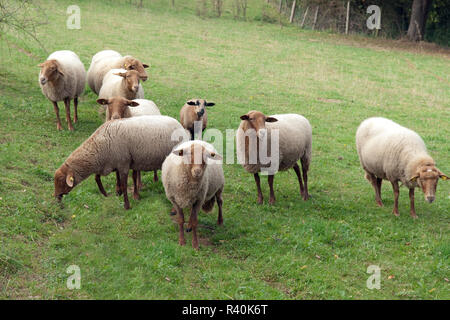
(418, 21)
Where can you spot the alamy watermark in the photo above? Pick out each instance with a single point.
(74, 19)
(374, 281)
(74, 280)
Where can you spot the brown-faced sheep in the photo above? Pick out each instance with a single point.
(106, 60)
(121, 83)
(194, 110)
(138, 143)
(193, 178)
(392, 152)
(294, 143)
(63, 78)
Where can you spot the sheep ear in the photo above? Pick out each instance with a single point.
(245, 117)
(121, 74)
(102, 101)
(191, 103)
(442, 175)
(414, 179)
(271, 119)
(40, 65)
(210, 104)
(70, 180)
(132, 103)
(145, 65)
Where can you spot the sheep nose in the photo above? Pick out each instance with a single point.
(136, 88)
(115, 117)
(430, 199)
(196, 172)
(43, 80)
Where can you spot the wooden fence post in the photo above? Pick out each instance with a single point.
(281, 5)
(348, 17)
(304, 17)
(315, 18)
(294, 5)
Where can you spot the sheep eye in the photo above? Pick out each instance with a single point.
(131, 67)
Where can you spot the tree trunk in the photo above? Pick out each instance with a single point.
(419, 15)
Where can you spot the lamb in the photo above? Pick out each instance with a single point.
(63, 78)
(119, 107)
(194, 110)
(106, 60)
(294, 138)
(192, 177)
(122, 83)
(138, 143)
(392, 152)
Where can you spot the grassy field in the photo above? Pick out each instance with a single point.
(319, 249)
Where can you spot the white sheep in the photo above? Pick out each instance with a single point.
(119, 107)
(106, 60)
(122, 83)
(63, 78)
(294, 139)
(138, 143)
(192, 177)
(392, 152)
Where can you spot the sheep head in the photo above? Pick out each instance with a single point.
(131, 79)
(427, 177)
(200, 106)
(195, 159)
(117, 106)
(51, 70)
(64, 181)
(257, 121)
(134, 64)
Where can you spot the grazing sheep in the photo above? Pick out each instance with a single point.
(391, 152)
(122, 83)
(63, 78)
(193, 178)
(138, 143)
(119, 107)
(194, 110)
(295, 138)
(106, 60)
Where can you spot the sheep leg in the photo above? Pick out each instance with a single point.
(58, 120)
(305, 168)
(396, 194)
(219, 204)
(179, 211)
(193, 222)
(258, 186)
(376, 184)
(75, 107)
(272, 193)
(100, 185)
(69, 121)
(118, 185)
(124, 186)
(299, 176)
(136, 175)
(411, 199)
(155, 176)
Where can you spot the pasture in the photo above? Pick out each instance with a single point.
(318, 249)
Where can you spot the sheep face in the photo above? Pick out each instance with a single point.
(195, 159)
(117, 106)
(50, 71)
(131, 80)
(64, 182)
(200, 106)
(257, 121)
(427, 178)
(134, 64)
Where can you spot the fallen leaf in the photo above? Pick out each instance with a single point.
(391, 277)
(303, 267)
(168, 279)
(446, 279)
(317, 256)
(430, 291)
(408, 243)
(86, 206)
(336, 256)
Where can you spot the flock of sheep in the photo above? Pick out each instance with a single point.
(135, 136)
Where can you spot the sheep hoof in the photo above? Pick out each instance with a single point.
(172, 213)
(414, 216)
(396, 213)
(272, 201)
(260, 200)
(136, 197)
(188, 229)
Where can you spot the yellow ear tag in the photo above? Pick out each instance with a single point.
(444, 178)
(126, 65)
(71, 178)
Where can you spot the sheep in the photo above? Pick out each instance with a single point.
(194, 110)
(138, 143)
(123, 83)
(294, 138)
(106, 60)
(119, 107)
(63, 78)
(192, 177)
(392, 152)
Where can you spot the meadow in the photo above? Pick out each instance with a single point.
(318, 249)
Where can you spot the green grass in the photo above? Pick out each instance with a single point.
(319, 249)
